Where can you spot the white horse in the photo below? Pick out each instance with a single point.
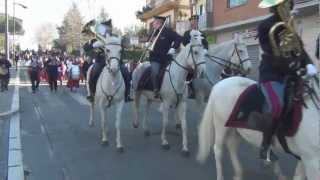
(213, 133)
(174, 89)
(232, 54)
(109, 89)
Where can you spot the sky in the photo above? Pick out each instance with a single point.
(40, 12)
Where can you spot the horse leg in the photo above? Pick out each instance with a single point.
(91, 120)
(220, 136)
(178, 122)
(118, 124)
(136, 104)
(233, 146)
(146, 119)
(182, 117)
(299, 172)
(278, 171)
(165, 116)
(103, 123)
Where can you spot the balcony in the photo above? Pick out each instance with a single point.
(156, 7)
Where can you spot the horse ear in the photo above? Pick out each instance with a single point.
(236, 37)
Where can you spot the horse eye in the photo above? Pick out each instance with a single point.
(196, 52)
(107, 50)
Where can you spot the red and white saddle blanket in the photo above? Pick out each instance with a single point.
(252, 99)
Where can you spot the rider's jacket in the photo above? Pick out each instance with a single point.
(167, 39)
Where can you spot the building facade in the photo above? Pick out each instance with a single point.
(243, 16)
(177, 12)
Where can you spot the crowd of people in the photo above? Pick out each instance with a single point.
(53, 66)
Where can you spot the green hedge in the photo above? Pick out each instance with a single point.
(132, 55)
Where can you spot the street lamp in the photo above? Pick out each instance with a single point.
(14, 29)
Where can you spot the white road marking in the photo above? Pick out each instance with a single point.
(15, 159)
(80, 99)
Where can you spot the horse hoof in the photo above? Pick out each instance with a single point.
(185, 153)
(120, 150)
(165, 146)
(147, 133)
(105, 143)
(91, 125)
(178, 126)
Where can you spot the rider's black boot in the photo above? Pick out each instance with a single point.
(264, 122)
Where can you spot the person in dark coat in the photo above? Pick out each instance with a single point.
(52, 71)
(194, 23)
(5, 72)
(34, 72)
(94, 48)
(165, 46)
(273, 71)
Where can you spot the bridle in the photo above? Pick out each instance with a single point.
(108, 60)
(110, 97)
(188, 69)
(236, 68)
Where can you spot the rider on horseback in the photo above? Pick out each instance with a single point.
(165, 46)
(94, 49)
(194, 21)
(274, 70)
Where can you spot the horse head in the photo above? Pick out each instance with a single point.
(239, 55)
(113, 53)
(195, 58)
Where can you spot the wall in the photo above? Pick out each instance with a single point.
(224, 15)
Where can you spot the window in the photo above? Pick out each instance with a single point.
(200, 10)
(235, 3)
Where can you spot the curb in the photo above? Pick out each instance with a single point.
(15, 164)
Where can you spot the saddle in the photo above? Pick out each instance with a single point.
(253, 100)
(96, 72)
(145, 81)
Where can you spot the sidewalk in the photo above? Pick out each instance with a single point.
(5, 106)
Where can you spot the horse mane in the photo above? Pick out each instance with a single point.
(220, 48)
(113, 39)
(184, 52)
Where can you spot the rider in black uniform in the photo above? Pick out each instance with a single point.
(274, 69)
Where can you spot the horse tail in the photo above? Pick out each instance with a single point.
(206, 131)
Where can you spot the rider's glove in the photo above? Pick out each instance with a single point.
(171, 51)
(311, 70)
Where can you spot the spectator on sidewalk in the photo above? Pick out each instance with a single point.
(4, 73)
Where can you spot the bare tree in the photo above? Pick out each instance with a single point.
(45, 34)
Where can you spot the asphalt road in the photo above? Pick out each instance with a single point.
(58, 144)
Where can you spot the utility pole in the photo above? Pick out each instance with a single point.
(14, 32)
(6, 39)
